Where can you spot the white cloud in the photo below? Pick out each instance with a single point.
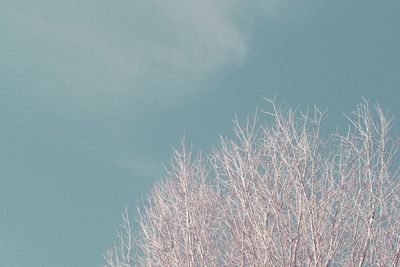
(141, 50)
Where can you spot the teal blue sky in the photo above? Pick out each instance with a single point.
(93, 95)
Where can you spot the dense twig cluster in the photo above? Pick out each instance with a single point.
(278, 194)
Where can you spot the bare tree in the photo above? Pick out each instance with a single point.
(178, 223)
(122, 254)
(278, 194)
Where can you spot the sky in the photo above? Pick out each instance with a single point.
(94, 94)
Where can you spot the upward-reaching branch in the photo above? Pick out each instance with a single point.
(277, 194)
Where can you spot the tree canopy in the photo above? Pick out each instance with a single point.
(280, 193)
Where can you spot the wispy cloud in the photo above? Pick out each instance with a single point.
(94, 50)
